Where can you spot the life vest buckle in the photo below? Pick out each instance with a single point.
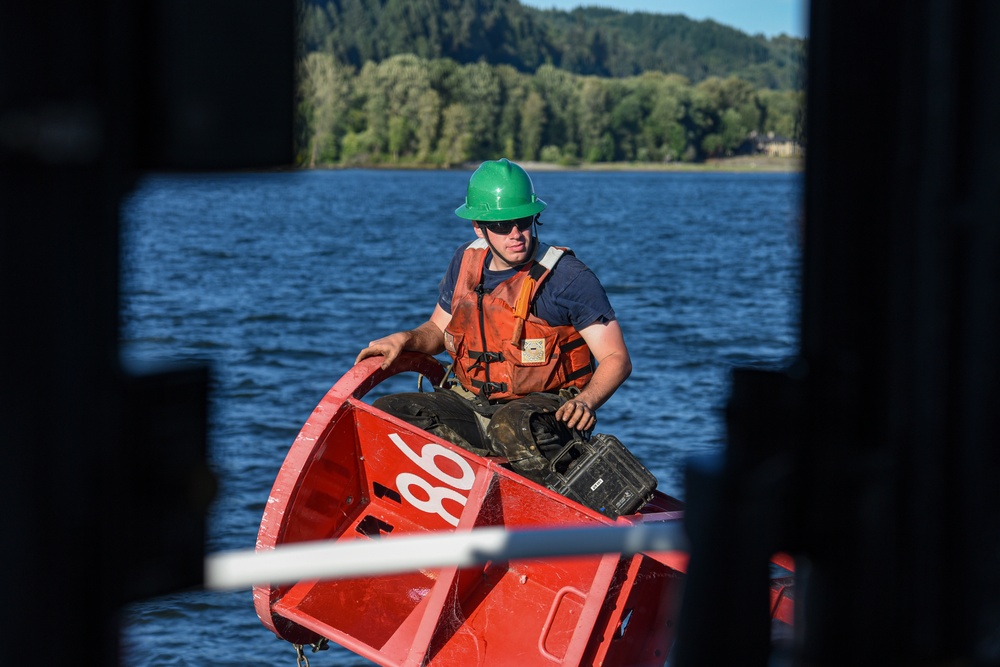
(489, 388)
(481, 358)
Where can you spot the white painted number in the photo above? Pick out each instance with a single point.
(434, 504)
(426, 462)
(435, 496)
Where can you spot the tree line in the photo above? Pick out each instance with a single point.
(588, 41)
(411, 110)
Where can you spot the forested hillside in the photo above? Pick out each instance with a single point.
(444, 82)
(601, 42)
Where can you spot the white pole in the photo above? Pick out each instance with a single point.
(290, 563)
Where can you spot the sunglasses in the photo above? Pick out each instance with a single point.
(503, 228)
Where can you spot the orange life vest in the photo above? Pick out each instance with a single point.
(501, 350)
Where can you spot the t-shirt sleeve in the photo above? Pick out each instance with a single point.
(573, 295)
(446, 288)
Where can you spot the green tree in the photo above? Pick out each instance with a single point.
(701, 121)
(314, 25)
(558, 88)
(357, 148)
(732, 103)
(532, 126)
(628, 118)
(428, 124)
(374, 136)
(400, 135)
(664, 129)
(325, 94)
(456, 135)
(596, 141)
(393, 91)
(479, 91)
(780, 113)
(513, 86)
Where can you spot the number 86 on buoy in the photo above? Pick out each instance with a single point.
(436, 495)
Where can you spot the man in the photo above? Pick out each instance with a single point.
(524, 323)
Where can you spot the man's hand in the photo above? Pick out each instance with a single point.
(613, 366)
(577, 414)
(427, 338)
(389, 347)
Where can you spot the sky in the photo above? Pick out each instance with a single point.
(770, 17)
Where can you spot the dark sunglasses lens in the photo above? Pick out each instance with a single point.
(503, 228)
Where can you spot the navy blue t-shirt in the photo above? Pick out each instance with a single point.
(571, 294)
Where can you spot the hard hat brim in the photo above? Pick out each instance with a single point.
(486, 213)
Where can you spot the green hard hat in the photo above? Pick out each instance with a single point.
(499, 190)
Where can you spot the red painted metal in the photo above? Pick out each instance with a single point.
(355, 473)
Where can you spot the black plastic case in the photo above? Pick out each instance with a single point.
(604, 476)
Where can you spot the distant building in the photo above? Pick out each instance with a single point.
(776, 146)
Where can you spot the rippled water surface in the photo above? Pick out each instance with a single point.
(278, 279)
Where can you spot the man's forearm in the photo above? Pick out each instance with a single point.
(580, 412)
(610, 375)
(427, 338)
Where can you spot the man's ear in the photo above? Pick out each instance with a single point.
(479, 230)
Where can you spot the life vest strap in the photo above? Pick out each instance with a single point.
(485, 357)
(488, 388)
(480, 358)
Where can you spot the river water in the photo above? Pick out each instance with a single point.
(278, 279)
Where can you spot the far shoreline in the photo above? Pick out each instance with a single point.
(741, 164)
(749, 163)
